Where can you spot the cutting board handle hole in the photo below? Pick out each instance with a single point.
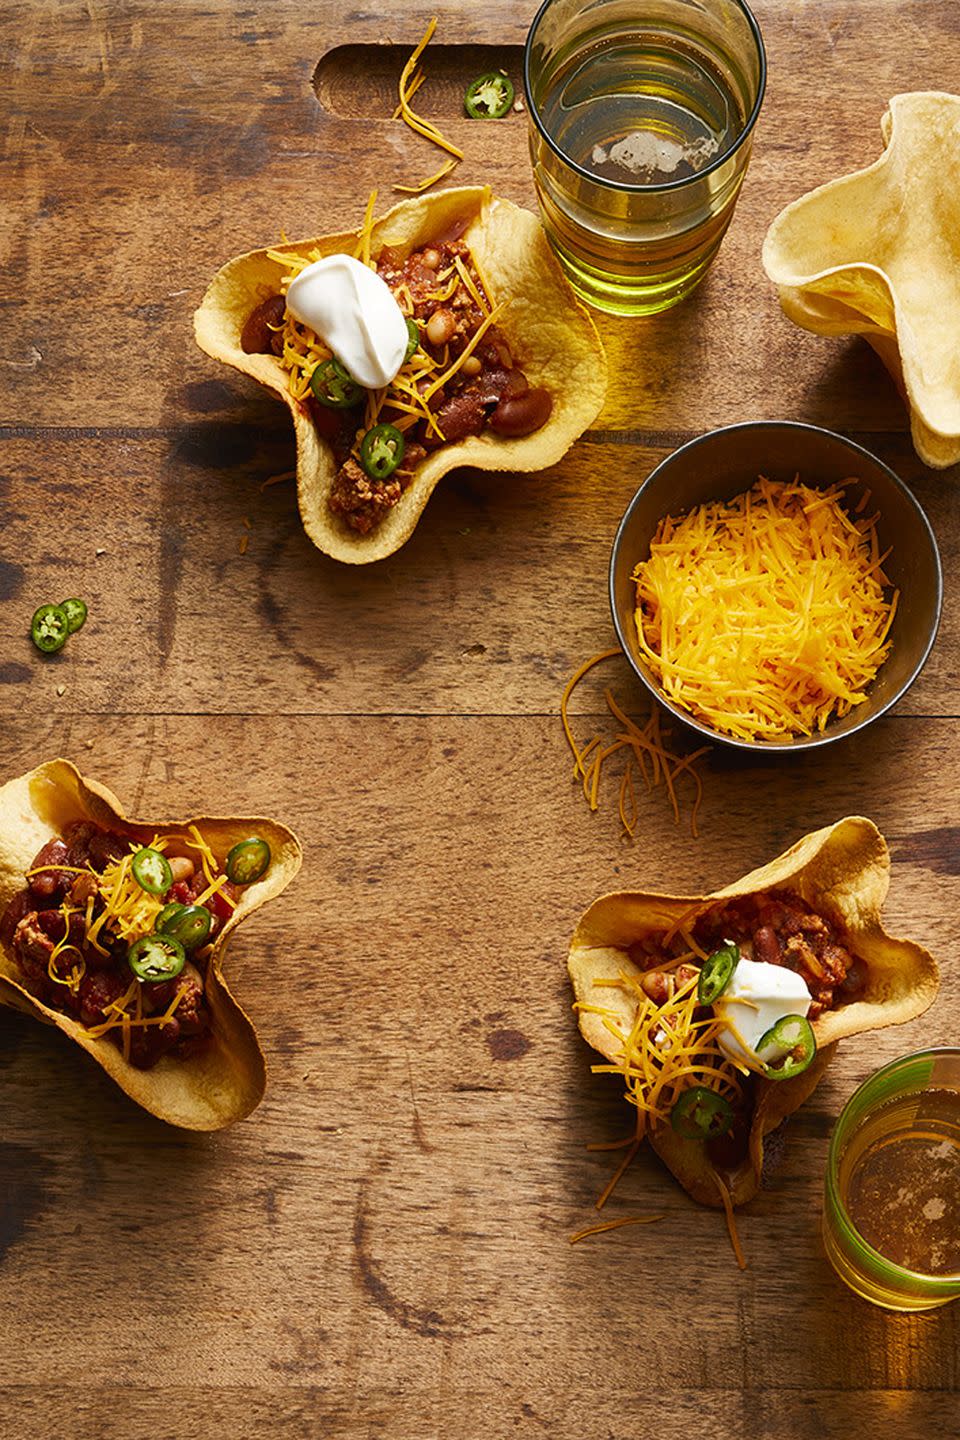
(359, 82)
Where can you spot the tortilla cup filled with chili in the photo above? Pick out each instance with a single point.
(501, 367)
(115, 931)
(722, 1011)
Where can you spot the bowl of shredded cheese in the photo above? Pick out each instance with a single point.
(775, 585)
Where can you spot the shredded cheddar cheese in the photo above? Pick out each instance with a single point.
(731, 1221)
(766, 616)
(422, 185)
(666, 1051)
(615, 1225)
(129, 910)
(646, 751)
(410, 82)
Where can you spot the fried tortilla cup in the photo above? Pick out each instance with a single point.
(552, 336)
(843, 873)
(227, 1080)
(873, 253)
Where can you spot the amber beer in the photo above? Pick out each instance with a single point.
(891, 1218)
(641, 118)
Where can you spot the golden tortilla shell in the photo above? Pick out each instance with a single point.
(875, 254)
(555, 341)
(204, 1092)
(843, 873)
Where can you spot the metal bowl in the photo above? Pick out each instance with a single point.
(726, 462)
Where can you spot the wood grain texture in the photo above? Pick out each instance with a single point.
(382, 1249)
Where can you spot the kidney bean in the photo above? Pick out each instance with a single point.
(522, 414)
(49, 882)
(431, 258)
(458, 417)
(766, 946)
(256, 337)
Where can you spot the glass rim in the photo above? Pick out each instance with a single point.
(667, 185)
(927, 1285)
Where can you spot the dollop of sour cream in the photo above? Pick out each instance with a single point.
(355, 313)
(756, 997)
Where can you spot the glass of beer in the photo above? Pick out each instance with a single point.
(641, 122)
(891, 1213)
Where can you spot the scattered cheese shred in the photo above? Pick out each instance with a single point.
(278, 479)
(129, 910)
(765, 616)
(362, 249)
(615, 1225)
(409, 84)
(657, 765)
(422, 185)
(731, 1222)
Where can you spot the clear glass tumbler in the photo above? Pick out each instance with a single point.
(891, 1211)
(641, 118)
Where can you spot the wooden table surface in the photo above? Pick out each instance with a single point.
(382, 1249)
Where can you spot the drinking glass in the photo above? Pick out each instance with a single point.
(641, 123)
(891, 1213)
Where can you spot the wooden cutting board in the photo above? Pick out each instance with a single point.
(382, 1249)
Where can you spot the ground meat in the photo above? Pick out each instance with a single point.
(32, 947)
(462, 415)
(362, 502)
(21, 904)
(84, 887)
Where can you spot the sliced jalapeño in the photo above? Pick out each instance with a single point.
(156, 957)
(152, 872)
(190, 925)
(76, 613)
(248, 860)
(717, 971)
(49, 628)
(701, 1114)
(381, 451)
(334, 386)
(489, 97)
(791, 1046)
